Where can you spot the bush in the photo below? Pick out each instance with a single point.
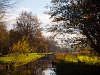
(21, 46)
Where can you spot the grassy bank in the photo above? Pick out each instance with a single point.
(20, 59)
(75, 58)
(74, 64)
(70, 68)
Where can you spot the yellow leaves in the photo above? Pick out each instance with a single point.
(89, 60)
(79, 58)
(21, 46)
(69, 59)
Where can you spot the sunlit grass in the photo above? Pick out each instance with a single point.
(86, 59)
(20, 59)
(89, 59)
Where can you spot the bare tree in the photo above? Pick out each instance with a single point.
(28, 25)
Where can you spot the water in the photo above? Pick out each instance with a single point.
(42, 66)
(47, 66)
(49, 71)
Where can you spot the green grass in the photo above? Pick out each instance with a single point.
(20, 59)
(86, 59)
(91, 60)
(77, 64)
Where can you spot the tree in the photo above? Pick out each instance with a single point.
(79, 14)
(4, 35)
(29, 26)
(22, 46)
(3, 38)
(14, 37)
(4, 5)
(52, 45)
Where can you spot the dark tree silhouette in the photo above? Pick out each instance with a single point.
(81, 14)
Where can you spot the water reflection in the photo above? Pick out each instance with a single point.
(49, 71)
(42, 66)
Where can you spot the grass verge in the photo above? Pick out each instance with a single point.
(75, 58)
(20, 59)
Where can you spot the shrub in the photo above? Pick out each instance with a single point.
(22, 46)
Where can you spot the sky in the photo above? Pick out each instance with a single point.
(37, 7)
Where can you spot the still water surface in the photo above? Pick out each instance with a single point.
(42, 66)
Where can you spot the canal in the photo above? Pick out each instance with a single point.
(42, 66)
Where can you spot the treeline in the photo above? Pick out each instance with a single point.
(26, 36)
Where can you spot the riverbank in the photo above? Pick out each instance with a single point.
(38, 67)
(75, 58)
(20, 59)
(73, 64)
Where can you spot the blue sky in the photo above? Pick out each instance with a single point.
(37, 7)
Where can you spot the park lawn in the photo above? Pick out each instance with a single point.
(20, 59)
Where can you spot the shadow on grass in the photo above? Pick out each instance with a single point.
(67, 68)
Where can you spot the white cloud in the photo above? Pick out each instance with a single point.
(45, 19)
(11, 17)
(24, 9)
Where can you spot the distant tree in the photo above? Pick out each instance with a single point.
(14, 37)
(42, 45)
(3, 38)
(4, 35)
(52, 45)
(79, 14)
(28, 25)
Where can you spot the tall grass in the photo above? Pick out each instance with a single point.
(87, 59)
(75, 64)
